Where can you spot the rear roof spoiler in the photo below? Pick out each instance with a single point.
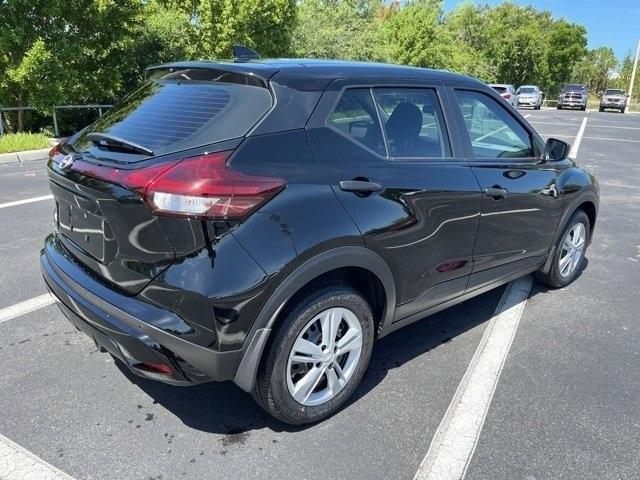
(259, 70)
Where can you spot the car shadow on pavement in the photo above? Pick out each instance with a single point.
(223, 408)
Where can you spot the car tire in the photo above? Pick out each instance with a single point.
(583, 108)
(568, 254)
(559, 107)
(601, 109)
(279, 375)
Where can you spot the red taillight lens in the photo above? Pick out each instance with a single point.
(55, 151)
(196, 187)
(506, 96)
(160, 368)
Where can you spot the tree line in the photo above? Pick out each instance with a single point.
(79, 51)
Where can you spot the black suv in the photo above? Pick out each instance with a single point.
(265, 222)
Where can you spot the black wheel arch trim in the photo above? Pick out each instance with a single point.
(586, 195)
(335, 258)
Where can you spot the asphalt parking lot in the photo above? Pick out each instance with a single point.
(566, 406)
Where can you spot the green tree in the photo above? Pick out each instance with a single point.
(265, 25)
(164, 32)
(595, 68)
(415, 35)
(52, 53)
(345, 29)
(567, 44)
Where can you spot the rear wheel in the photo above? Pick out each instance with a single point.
(601, 109)
(318, 356)
(559, 107)
(568, 255)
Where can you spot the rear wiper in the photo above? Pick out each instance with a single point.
(106, 140)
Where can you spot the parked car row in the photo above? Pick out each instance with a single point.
(525, 96)
(571, 96)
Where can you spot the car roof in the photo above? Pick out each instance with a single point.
(500, 85)
(314, 74)
(529, 86)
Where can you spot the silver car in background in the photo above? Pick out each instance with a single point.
(613, 98)
(530, 96)
(506, 91)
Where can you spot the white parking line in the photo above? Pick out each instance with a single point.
(17, 463)
(591, 125)
(26, 200)
(27, 306)
(576, 143)
(455, 440)
(590, 138)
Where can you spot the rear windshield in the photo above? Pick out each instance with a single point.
(168, 114)
(574, 88)
(614, 92)
(526, 90)
(500, 89)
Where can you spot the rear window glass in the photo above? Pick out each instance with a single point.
(169, 115)
(500, 89)
(526, 90)
(614, 92)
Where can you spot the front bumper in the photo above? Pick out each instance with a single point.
(612, 105)
(572, 103)
(136, 332)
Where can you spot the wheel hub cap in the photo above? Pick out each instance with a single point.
(324, 356)
(572, 250)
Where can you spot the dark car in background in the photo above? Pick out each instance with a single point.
(614, 99)
(266, 222)
(573, 96)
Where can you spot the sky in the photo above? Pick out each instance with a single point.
(612, 23)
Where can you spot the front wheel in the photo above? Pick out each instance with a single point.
(317, 357)
(569, 253)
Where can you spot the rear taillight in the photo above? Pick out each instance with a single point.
(506, 96)
(196, 187)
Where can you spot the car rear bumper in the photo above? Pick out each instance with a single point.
(141, 335)
(611, 105)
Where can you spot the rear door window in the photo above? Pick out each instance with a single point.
(413, 122)
(494, 132)
(172, 114)
(355, 116)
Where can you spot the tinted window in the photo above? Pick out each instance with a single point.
(355, 116)
(500, 89)
(413, 122)
(493, 131)
(171, 115)
(614, 92)
(526, 90)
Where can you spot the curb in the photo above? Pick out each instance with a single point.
(26, 156)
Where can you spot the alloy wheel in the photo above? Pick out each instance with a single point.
(572, 250)
(324, 356)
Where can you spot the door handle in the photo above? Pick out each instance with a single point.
(360, 186)
(496, 192)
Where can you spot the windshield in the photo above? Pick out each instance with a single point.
(614, 92)
(526, 90)
(169, 115)
(574, 88)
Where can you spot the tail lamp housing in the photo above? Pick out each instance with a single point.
(202, 187)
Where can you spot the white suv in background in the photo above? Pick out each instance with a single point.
(506, 91)
(530, 96)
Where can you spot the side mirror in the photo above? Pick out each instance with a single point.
(555, 150)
